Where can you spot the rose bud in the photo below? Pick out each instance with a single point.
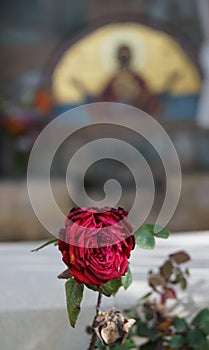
(112, 328)
(96, 244)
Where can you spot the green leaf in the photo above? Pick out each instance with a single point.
(201, 317)
(201, 321)
(145, 235)
(50, 241)
(108, 289)
(161, 232)
(111, 287)
(153, 334)
(206, 345)
(74, 295)
(177, 341)
(196, 339)
(149, 346)
(144, 239)
(144, 331)
(129, 344)
(205, 328)
(180, 324)
(145, 296)
(126, 280)
(187, 272)
(183, 283)
(181, 280)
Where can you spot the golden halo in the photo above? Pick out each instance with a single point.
(126, 36)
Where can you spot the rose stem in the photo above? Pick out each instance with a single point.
(99, 300)
(94, 336)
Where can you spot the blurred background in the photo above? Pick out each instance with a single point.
(56, 55)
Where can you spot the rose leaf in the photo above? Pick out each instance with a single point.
(128, 345)
(170, 293)
(180, 324)
(180, 257)
(108, 288)
(149, 345)
(156, 280)
(126, 280)
(111, 287)
(144, 239)
(183, 283)
(201, 321)
(196, 338)
(177, 341)
(74, 295)
(166, 270)
(50, 241)
(157, 230)
(145, 296)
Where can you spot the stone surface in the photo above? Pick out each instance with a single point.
(18, 221)
(32, 306)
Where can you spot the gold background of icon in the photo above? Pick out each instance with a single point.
(87, 66)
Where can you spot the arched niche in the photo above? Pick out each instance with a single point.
(161, 57)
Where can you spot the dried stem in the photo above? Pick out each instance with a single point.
(94, 336)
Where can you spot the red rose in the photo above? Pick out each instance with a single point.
(96, 244)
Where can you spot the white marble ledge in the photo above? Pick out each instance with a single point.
(28, 280)
(32, 304)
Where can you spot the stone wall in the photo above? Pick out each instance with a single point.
(18, 221)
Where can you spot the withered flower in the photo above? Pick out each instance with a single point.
(111, 327)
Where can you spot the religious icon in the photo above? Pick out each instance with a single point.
(129, 63)
(128, 87)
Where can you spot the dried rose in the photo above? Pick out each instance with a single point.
(111, 327)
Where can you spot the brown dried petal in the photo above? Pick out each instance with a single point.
(110, 333)
(65, 274)
(111, 327)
